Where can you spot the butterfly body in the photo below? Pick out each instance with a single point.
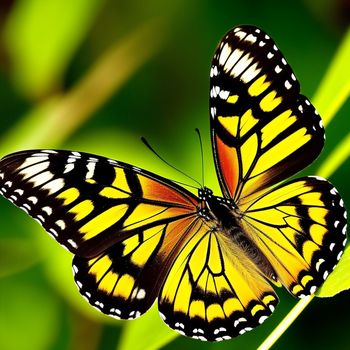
(210, 261)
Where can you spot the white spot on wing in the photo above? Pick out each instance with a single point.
(232, 60)
(213, 112)
(61, 224)
(69, 167)
(72, 243)
(287, 84)
(32, 160)
(250, 73)
(33, 199)
(225, 52)
(262, 319)
(251, 38)
(19, 191)
(278, 69)
(313, 289)
(319, 263)
(224, 94)
(141, 294)
(241, 35)
(41, 178)
(40, 218)
(270, 55)
(344, 230)
(91, 169)
(53, 232)
(237, 322)
(35, 169)
(54, 185)
(241, 65)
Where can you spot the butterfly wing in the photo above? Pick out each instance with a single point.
(125, 280)
(125, 224)
(301, 228)
(214, 291)
(88, 203)
(263, 130)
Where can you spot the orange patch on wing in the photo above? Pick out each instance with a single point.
(161, 193)
(228, 164)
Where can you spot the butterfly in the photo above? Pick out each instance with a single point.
(210, 261)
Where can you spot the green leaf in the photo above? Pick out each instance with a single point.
(42, 36)
(335, 86)
(29, 316)
(53, 121)
(17, 255)
(337, 157)
(58, 268)
(146, 333)
(339, 279)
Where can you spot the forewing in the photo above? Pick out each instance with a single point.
(263, 130)
(88, 203)
(301, 229)
(214, 291)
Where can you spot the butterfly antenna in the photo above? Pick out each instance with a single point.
(202, 156)
(172, 166)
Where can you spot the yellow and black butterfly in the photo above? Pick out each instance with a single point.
(209, 260)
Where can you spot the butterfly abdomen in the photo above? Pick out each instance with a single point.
(224, 218)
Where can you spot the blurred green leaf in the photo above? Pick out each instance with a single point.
(29, 315)
(17, 255)
(52, 122)
(339, 279)
(42, 36)
(336, 158)
(334, 89)
(146, 333)
(58, 268)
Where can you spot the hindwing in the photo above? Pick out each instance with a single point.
(301, 228)
(213, 291)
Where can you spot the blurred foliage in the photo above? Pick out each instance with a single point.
(95, 76)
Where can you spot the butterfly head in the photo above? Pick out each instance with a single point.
(204, 193)
(212, 207)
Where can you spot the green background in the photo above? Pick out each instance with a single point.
(95, 76)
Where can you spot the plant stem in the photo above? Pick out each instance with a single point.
(336, 158)
(287, 321)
